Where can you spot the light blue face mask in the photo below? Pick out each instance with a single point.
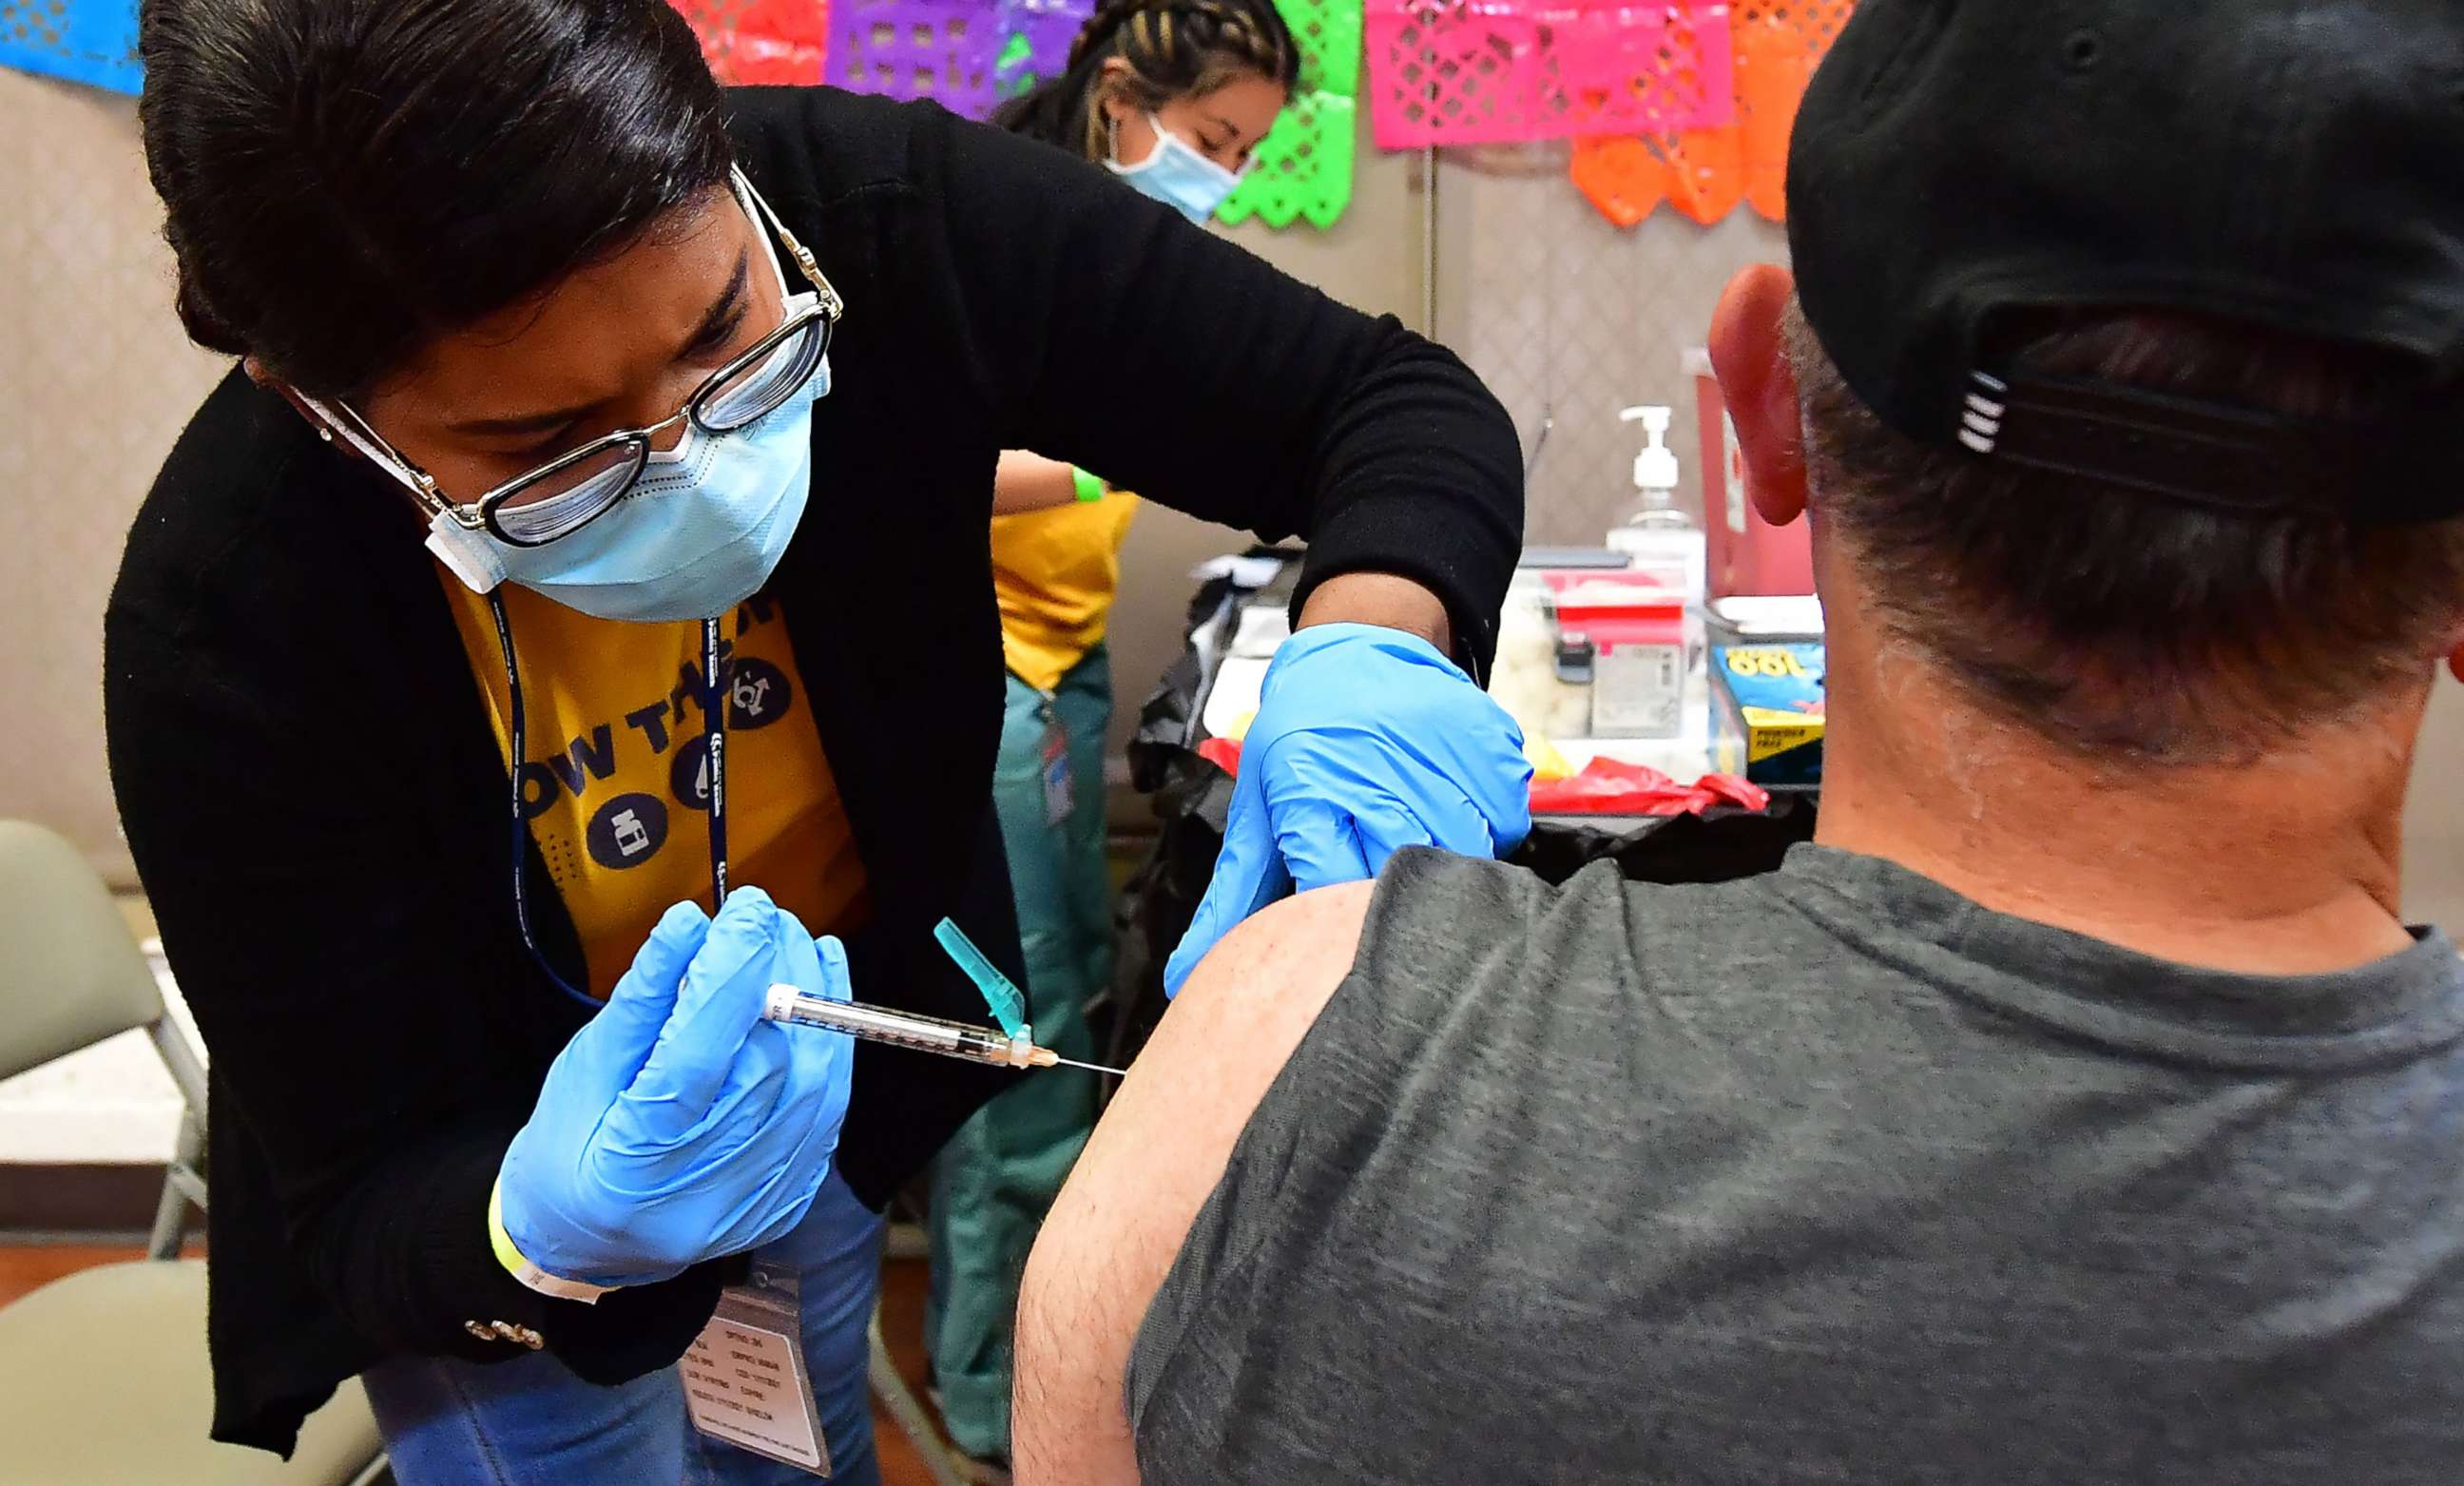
(703, 529)
(703, 525)
(1177, 176)
(699, 532)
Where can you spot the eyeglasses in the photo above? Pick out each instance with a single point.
(571, 490)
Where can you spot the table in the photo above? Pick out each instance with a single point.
(1205, 692)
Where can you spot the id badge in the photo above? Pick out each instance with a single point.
(1059, 785)
(744, 1377)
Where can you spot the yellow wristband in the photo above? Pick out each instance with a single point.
(531, 1275)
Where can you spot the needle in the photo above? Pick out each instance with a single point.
(1098, 1068)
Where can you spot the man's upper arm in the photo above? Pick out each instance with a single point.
(1160, 1152)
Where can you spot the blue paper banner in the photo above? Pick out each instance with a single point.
(88, 41)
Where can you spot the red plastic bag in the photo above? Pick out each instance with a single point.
(1604, 787)
(1223, 753)
(1608, 788)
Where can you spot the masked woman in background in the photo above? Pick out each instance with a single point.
(596, 515)
(1173, 96)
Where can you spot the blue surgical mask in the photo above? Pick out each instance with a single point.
(1177, 176)
(703, 529)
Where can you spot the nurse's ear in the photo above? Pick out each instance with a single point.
(256, 373)
(1111, 98)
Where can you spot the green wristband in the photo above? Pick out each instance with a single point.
(1087, 486)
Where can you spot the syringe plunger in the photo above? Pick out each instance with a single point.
(906, 1029)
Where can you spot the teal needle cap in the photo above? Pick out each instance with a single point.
(1008, 1006)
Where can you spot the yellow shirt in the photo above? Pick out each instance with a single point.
(612, 784)
(1055, 572)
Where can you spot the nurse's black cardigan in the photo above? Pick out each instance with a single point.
(317, 802)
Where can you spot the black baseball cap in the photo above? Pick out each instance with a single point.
(2293, 165)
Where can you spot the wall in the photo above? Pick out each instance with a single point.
(95, 383)
(1569, 318)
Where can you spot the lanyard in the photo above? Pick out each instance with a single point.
(713, 712)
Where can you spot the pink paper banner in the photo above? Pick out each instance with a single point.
(1473, 72)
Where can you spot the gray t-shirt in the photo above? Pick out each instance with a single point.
(1831, 1175)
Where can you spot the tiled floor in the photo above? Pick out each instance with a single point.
(25, 1267)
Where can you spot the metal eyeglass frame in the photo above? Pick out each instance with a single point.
(480, 515)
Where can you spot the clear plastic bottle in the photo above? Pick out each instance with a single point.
(1659, 539)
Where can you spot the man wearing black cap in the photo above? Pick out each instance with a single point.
(2079, 1108)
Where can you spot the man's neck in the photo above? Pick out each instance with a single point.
(2287, 865)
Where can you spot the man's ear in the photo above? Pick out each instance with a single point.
(256, 373)
(1758, 386)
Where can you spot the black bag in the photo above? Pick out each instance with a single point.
(1192, 798)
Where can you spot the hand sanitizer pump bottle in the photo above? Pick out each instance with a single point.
(1659, 539)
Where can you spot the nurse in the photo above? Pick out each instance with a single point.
(595, 522)
(1172, 95)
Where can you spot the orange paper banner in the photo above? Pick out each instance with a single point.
(1704, 173)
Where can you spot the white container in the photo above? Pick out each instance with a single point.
(1639, 690)
(1638, 635)
(1525, 680)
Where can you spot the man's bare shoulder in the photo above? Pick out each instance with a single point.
(1226, 1038)
(1158, 1152)
(1249, 1003)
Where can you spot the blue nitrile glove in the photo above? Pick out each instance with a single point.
(1366, 741)
(678, 1124)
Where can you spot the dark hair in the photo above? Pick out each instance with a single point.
(2111, 622)
(344, 180)
(1174, 48)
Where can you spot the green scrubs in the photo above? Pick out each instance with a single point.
(998, 1175)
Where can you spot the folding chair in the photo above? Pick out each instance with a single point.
(103, 1379)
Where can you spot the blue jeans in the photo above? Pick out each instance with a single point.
(529, 1422)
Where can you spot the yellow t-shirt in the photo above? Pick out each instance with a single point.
(613, 783)
(1055, 572)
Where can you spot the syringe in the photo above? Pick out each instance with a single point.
(924, 1033)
